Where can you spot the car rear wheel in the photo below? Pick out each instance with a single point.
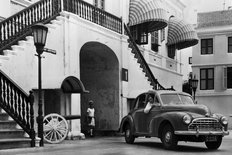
(129, 138)
(215, 144)
(168, 138)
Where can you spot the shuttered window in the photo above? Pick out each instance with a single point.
(155, 41)
(162, 34)
(229, 44)
(140, 34)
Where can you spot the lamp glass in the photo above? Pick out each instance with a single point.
(194, 83)
(40, 34)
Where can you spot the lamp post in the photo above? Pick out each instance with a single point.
(194, 83)
(40, 35)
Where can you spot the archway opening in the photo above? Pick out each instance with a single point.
(99, 72)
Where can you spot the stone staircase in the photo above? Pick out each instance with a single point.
(11, 135)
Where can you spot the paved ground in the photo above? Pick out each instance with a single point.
(117, 146)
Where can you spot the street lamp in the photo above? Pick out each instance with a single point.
(194, 84)
(40, 35)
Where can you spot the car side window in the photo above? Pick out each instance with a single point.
(155, 98)
(141, 101)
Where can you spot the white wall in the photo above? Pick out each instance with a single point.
(5, 8)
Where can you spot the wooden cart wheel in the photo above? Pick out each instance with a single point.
(55, 128)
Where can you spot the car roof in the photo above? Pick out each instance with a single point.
(159, 92)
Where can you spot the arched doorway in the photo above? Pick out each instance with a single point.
(99, 72)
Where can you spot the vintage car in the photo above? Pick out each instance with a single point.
(174, 117)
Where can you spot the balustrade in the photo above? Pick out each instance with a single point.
(18, 26)
(17, 104)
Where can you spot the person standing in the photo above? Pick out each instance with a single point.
(90, 117)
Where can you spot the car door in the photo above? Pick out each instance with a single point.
(139, 116)
(155, 110)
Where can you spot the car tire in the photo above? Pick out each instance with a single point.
(129, 138)
(214, 145)
(168, 138)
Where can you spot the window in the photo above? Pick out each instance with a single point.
(207, 79)
(229, 44)
(140, 101)
(99, 4)
(207, 46)
(227, 77)
(102, 5)
(95, 3)
(154, 41)
(140, 34)
(162, 36)
(190, 60)
(171, 51)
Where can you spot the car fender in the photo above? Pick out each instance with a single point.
(173, 118)
(126, 120)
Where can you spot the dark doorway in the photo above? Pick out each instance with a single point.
(99, 72)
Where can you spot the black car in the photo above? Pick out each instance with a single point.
(174, 117)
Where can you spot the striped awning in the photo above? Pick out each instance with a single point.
(180, 34)
(149, 12)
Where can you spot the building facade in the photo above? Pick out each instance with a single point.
(212, 60)
(92, 47)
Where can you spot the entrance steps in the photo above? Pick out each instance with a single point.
(11, 135)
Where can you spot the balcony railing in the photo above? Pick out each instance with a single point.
(18, 26)
(93, 14)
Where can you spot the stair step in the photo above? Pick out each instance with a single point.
(10, 133)
(4, 116)
(7, 124)
(15, 143)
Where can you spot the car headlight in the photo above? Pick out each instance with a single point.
(224, 120)
(187, 119)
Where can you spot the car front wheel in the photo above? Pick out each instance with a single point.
(129, 138)
(215, 144)
(168, 138)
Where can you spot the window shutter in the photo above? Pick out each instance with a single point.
(224, 77)
(162, 32)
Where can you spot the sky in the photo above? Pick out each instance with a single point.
(196, 6)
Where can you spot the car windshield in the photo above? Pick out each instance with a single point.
(176, 99)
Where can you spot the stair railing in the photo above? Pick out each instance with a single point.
(18, 105)
(143, 64)
(18, 26)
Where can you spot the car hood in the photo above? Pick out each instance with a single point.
(194, 110)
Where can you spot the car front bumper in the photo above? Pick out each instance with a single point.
(198, 133)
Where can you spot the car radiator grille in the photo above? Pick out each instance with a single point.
(205, 124)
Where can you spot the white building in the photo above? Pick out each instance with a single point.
(92, 49)
(212, 61)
